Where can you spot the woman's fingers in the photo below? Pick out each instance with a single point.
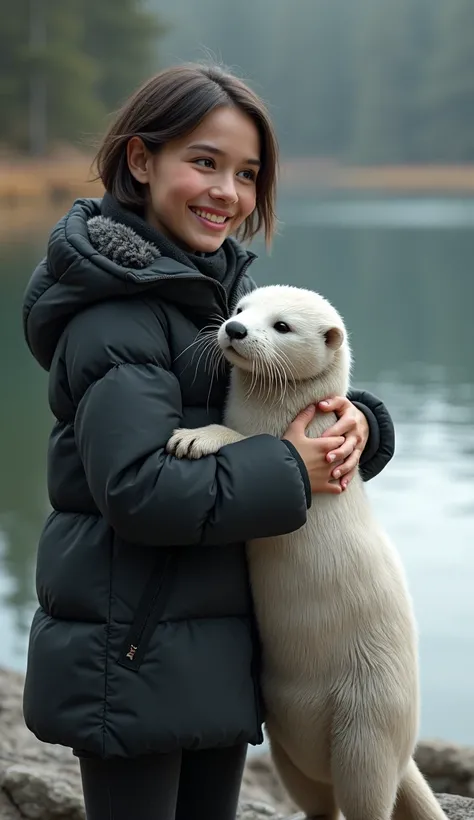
(349, 465)
(344, 451)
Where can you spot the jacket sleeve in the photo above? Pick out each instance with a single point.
(380, 446)
(125, 416)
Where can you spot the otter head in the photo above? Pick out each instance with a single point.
(285, 331)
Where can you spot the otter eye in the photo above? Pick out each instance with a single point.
(282, 327)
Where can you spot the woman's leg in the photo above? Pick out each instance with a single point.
(210, 782)
(144, 788)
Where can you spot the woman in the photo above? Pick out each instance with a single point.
(143, 654)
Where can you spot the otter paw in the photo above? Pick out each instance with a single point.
(202, 441)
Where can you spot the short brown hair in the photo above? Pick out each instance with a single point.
(170, 105)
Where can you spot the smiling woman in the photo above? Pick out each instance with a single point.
(143, 652)
(202, 187)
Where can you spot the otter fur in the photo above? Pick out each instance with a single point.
(340, 667)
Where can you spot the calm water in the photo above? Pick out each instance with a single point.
(401, 274)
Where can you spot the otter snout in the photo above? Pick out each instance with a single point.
(235, 330)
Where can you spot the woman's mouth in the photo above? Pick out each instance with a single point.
(215, 222)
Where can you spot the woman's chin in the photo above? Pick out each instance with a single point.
(202, 242)
(209, 246)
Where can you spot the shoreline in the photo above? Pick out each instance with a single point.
(24, 179)
(41, 780)
(34, 194)
(417, 180)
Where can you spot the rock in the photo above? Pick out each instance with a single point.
(257, 811)
(39, 793)
(37, 781)
(42, 782)
(456, 808)
(7, 810)
(261, 783)
(448, 767)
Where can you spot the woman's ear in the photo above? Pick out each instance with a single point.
(138, 159)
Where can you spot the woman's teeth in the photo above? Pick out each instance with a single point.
(210, 217)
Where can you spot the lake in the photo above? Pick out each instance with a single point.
(399, 270)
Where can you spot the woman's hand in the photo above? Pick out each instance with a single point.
(314, 452)
(351, 424)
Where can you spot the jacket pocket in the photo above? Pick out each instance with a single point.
(148, 613)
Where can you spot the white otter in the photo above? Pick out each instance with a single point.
(340, 672)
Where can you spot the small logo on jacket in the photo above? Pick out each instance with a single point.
(131, 652)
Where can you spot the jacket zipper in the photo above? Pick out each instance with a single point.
(138, 637)
(157, 277)
(148, 612)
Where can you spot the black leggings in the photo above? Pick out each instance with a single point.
(177, 786)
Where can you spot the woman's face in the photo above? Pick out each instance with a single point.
(202, 186)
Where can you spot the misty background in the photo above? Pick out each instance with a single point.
(371, 81)
(373, 102)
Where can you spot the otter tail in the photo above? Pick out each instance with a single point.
(415, 800)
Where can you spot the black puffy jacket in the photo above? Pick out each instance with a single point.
(144, 637)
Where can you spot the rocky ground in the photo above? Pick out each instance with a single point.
(41, 782)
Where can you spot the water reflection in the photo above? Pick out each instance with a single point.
(407, 297)
(395, 213)
(24, 425)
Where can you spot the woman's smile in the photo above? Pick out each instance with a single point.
(211, 218)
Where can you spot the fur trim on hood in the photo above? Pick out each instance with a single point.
(120, 244)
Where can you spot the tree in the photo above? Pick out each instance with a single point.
(88, 58)
(13, 73)
(448, 88)
(390, 55)
(73, 105)
(120, 36)
(313, 86)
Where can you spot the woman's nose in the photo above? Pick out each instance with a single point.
(225, 190)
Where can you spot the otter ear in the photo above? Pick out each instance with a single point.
(334, 338)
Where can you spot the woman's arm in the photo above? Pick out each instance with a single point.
(128, 404)
(380, 446)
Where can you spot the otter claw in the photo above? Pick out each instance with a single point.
(192, 443)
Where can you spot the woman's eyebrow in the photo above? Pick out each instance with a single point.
(211, 149)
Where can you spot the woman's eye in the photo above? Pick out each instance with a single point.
(205, 162)
(282, 327)
(250, 175)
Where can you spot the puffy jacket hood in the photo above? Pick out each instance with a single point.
(75, 274)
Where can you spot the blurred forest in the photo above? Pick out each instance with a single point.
(65, 64)
(362, 81)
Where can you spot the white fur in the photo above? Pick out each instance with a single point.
(340, 676)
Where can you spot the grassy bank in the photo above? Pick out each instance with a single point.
(23, 180)
(35, 193)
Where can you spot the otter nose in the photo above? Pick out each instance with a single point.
(236, 330)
